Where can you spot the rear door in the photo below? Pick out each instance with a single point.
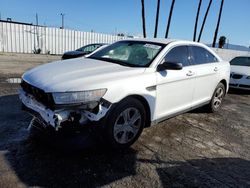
(207, 74)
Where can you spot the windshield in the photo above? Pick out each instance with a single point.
(241, 61)
(130, 53)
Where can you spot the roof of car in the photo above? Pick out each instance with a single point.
(167, 41)
(162, 40)
(157, 40)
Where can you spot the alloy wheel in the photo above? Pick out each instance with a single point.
(218, 97)
(127, 125)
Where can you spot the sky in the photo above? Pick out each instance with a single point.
(112, 16)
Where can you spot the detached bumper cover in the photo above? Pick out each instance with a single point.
(53, 118)
(56, 117)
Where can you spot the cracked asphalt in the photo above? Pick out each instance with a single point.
(196, 149)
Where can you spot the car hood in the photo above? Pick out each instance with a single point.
(244, 70)
(77, 75)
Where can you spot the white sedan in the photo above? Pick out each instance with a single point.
(126, 87)
(240, 73)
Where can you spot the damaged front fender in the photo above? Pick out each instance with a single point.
(96, 117)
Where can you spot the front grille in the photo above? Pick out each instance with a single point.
(243, 85)
(233, 85)
(38, 94)
(237, 76)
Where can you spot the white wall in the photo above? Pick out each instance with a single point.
(229, 54)
(21, 38)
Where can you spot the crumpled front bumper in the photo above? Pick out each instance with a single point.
(56, 117)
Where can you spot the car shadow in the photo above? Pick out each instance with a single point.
(233, 91)
(47, 165)
(200, 110)
(207, 172)
(238, 91)
(38, 165)
(53, 164)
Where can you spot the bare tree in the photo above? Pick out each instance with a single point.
(169, 18)
(157, 18)
(143, 19)
(218, 23)
(204, 20)
(197, 19)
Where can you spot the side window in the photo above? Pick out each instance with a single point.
(201, 55)
(178, 54)
(89, 48)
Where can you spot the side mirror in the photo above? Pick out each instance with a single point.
(169, 66)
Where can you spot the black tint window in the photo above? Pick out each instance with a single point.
(201, 55)
(178, 55)
(241, 61)
(91, 48)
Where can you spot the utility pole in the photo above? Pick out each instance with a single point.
(169, 18)
(37, 35)
(62, 27)
(36, 19)
(218, 23)
(204, 20)
(143, 19)
(157, 18)
(196, 20)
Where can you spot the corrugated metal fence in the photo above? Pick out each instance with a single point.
(25, 38)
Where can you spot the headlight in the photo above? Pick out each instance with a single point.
(79, 96)
(248, 77)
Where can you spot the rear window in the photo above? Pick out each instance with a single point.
(241, 61)
(201, 55)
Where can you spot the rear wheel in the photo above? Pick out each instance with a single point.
(125, 123)
(218, 96)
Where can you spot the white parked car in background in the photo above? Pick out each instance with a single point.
(240, 72)
(126, 87)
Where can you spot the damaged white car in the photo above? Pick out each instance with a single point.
(126, 87)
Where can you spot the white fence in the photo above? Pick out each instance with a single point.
(227, 54)
(25, 38)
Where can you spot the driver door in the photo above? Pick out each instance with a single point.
(175, 88)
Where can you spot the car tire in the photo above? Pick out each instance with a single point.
(217, 99)
(125, 123)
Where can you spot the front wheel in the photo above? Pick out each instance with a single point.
(125, 123)
(218, 96)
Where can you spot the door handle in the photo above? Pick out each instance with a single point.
(216, 69)
(190, 73)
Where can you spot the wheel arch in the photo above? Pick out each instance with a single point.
(224, 82)
(146, 106)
